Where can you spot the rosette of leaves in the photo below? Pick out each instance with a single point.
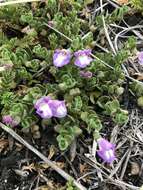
(67, 82)
(92, 120)
(117, 15)
(67, 133)
(34, 93)
(137, 90)
(113, 109)
(7, 98)
(12, 13)
(7, 80)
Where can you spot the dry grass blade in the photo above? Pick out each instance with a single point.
(118, 165)
(17, 2)
(106, 30)
(40, 155)
(122, 183)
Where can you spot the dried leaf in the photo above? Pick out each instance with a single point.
(51, 152)
(21, 173)
(83, 168)
(73, 150)
(43, 188)
(30, 167)
(140, 77)
(50, 186)
(59, 164)
(3, 144)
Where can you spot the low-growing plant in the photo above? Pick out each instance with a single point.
(137, 4)
(29, 72)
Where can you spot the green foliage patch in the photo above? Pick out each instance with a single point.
(28, 44)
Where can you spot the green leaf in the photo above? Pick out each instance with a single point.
(121, 117)
(112, 107)
(86, 2)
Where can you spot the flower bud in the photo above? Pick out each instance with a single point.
(9, 120)
(86, 74)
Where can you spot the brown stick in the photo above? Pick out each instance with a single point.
(40, 155)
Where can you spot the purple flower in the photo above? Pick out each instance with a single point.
(42, 107)
(8, 120)
(61, 57)
(140, 57)
(86, 74)
(83, 58)
(47, 108)
(106, 150)
(58, 108)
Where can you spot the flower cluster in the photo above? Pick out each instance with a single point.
(63, 57)
(47, 108)
(106, 150)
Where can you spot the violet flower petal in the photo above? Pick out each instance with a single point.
(43, 100)
(8, 120)
(58, 108)
(107, 155)
(42, 107)
(104, 144)
(83, 58)
(106, 150)
(140, 57)
(61, 57)
(44, 111)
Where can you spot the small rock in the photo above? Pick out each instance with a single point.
(135, 168)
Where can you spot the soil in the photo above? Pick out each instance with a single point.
(21, 169)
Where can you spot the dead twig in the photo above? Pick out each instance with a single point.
(17, 2)
(40, 155)
(125, 164)
(118, 165)
(108, 37)
(122, 183)
(106, 30)
(124, 31)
